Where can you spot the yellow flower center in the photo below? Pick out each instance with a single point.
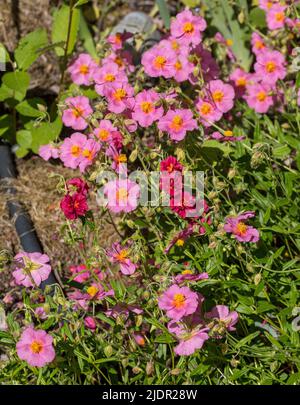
(92, 291)
(159, 62)
(109, 77)
(187, 271)
(178, 65)
(119, 61)
(170, 168)
(259, 45)
(87, 153)
(178, 300)
(218, 96)
(188, 28)
(84, 69)
(228, 133)
(120, 94)
(103, 134)
(118, 38)
(75, 150)
(122, 194)
(205, 109)
(77, 112)
(229, 42)
(176, 123)
(261, 96)
(241, 228)
(279, 17)
(175, 45)
(241, 82)
(122, 158)
(122, 255)
(180, 242)
(270, 66)
(146, 107)
(269, 4)
(36, 347)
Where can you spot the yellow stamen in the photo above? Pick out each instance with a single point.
(159, 62)
(188, 28)
(120, 94)
(92, 291)
(241, 228)
(261, 96)
(178, 301)
(122, 194)
(109, 77)
(75, 150)
(228, 133)
(205, 109)
(36, 347)
(180, 242)
(176, 123)
(270, 66)
(218, 96)
(146, 107)
(84, 69)
(122, 255)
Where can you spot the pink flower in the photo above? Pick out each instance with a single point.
(188, 275)
(76, 114)
(122, 58)
(106, 75)
(178, 302)
(187, 28)
(88, 154)
(259, 97)
(36, 347)
(71, 150)
(227, 43)
(146, 109)
(140, 340)
(208, 112)
(226, 136)
(240, 79)
(270, 67)
(119, 163)
(160, 61)
(209, 67)
(48, 151)
(80, 272)
(105, 130)
(223, 318)
(258, 45)
(120, 254)
(74, 206)
(183, 68)
(276, 17)
(222, 95)
(90, 322)
(176, 123)
(119, 96)
(170, 164)
(190, 340)
(79, 185)
(82, 69)
(117, 40)
(122, 195)
(31, 268)
(267, 4)
(40, 313)
(241, 231)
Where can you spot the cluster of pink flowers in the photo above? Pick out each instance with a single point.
(188, 324)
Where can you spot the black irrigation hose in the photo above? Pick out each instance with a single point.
(20, 218)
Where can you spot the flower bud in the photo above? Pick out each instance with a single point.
(108, 351)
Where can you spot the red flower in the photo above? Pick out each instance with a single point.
(74, 206)
(80, 185)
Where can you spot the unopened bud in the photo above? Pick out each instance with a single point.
(108, 351)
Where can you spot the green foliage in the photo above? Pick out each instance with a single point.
(60, 28)
(164, 12)
(29, 47)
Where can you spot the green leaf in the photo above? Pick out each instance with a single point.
(80, 3)
(45, 133)
(16, 83)
(164, 12)
(5, 124)
(60, 28)
(21, 152)
(191, 3)
(258, 17)
(29, 107)
(28, 49)
(24, 138)
(86, 37)
(246, 340)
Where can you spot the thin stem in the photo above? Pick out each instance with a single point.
(65, 57)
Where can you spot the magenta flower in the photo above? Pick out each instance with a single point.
(117, 40)
(74, 206)
(48, 151)
(31, 268)
(266, 5)
(208, 112)
(187, 28)
(188, 275)
(90, 323)
(36, 347)
(258, 45)
(79, 185)
(241, 231)
(80, 274)
(170, 164)
(270, 67)
(276, 17)
(209, 66)
(259, 98)
(222, 95)
(119, 164)
(224, 320)
(88, 154)
(119, 96)
(160, 61)
(77, 112)
(106, 75)
(82, 70)
(146, 109)
(120, 254)
(178, 302)
(122, 195)
(176, 123)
